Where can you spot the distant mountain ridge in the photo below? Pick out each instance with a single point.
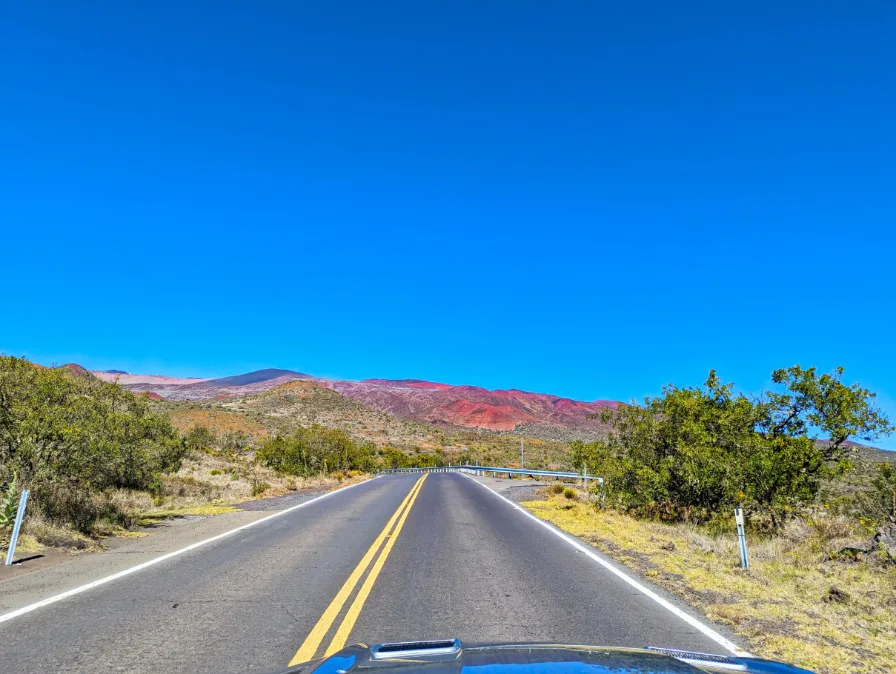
(415, 399)
(256, 377)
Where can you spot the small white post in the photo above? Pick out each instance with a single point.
(586, 476)
(20, 514)
(742, 539)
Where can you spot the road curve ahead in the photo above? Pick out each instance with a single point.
(397, 558)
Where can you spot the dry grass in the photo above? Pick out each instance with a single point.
(208, 483)
(217, 420)
(795, 604)
(39, 533)
(228, 478)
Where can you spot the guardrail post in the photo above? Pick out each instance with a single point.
(741, 537)
(585, 475)
(20, 514)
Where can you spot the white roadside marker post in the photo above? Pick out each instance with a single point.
(742, 539)
(20, 514)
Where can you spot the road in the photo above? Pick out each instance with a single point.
(397, 558)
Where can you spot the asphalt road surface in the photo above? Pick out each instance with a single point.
(394, 559)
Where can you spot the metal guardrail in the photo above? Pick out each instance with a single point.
(495, 471)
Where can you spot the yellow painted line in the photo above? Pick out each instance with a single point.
(354, 610)
(309, 647)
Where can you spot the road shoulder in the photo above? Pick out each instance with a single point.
(58, 572)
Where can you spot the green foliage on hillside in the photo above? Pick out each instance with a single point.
(9, 503)
(694, 453)
(315, 450)
(877, 501)
(318, 450)
(70, 439)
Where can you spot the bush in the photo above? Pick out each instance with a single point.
(882, 499)
(557, 488)
(569, 493)
(234, 441)
(315, 450)
(72, 439)
(9, 504)
(693, 454)
(200, 438)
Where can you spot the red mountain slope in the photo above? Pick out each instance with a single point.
(470, 406)
(481, 415)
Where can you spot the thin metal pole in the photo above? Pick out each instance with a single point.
(742, 539)
(586, 476)
(20, 514)
(522, 462)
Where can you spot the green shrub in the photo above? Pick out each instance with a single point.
(557, 488)
(9, 503)
(569, 493)
(315, 450)
(693, 454)
(234, 442)
(71, 439)
(214, 471)
(200, 438)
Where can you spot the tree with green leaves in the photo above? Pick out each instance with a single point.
(823, 402)
(70, 438)
(693, 453)
(315, 450)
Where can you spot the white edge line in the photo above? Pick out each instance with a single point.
(689, 619)
(139, 567)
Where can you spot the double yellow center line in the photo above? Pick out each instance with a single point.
(308, 649)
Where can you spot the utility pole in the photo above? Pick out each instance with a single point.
(522, 463)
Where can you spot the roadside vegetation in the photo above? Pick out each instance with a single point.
(693, 454)
(800, 601)
(821, 517)
(99, 459)
(80, 445)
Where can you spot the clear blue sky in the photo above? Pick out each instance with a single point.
(584, 198)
